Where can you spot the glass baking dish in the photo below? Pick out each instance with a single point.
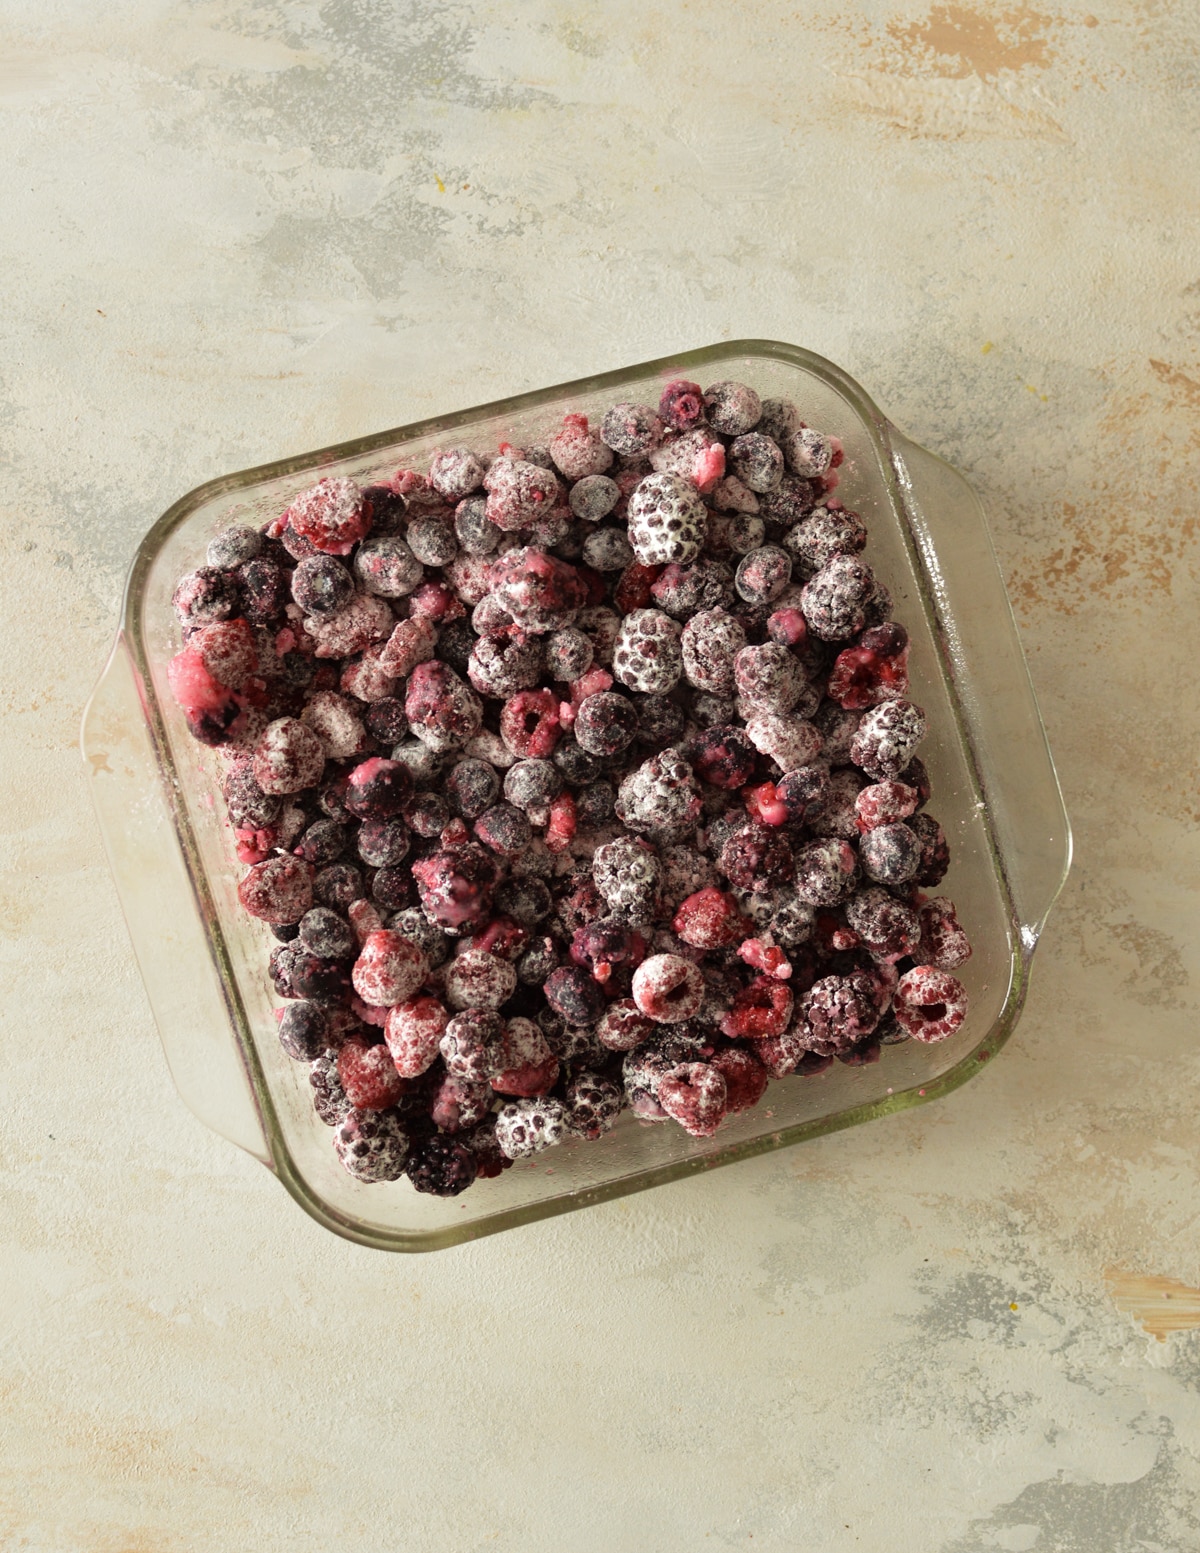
(204, 961)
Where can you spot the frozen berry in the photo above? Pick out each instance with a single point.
(834, 600)
(526, 1066)
(693, 1094)
(837, 1012)
(330, 515)
(389, 969)
(456, 886)
(336, 724)
(303, 1031)
(443, 712)
(733, 408)
(288, 757)
(875, 670)
(887, 927)
(627, 875)
(530, 724)
(329, 1098)
(682, 404)
(264, 589)
(763, 574)
(745, 1077)
(568, 654)
(809, 452)
(537, 962)
(572, 993)
(886, 739)
(821, 535)
(518, 492)
(455, 473)
(826, 872)
(325, 934)
(525, 1127)
(890, 854)
(770, 680)
(204, 596)
(661, 798)
(757, 461)
(279, 890)
(624, 1026)
(378, 789)
(667, 520)
(386, 567)
(321, 585)
(593, 498)
(232, 547)
(540, 592)
(724, 757)
(710, 919)
(944, 944)
(413, 1032)
(475, 533)
(593, 1104)
(432, 540)
(668, 989)
(369, 1075)
(756, 858)
(337, 886)
(929, 1004)
(710, 642)
(605, 723)
(885, 803)
(372, 1145)
(383, 843)
(631, 429)
(935, 851)
(441, 1165)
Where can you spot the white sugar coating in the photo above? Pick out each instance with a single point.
(790, 741)
(390, 968)
(646, 655)
(455, 473)
(667, 520)
(288, 758)
(364, 621)
(336, 724)
(526, 1127)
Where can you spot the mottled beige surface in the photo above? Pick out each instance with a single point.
(232, 232)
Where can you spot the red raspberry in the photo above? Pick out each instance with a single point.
(745, 1077)
(710, 919)
(873, 671)
(884, 803)
(782, 1054)
(389, 969)
(766, 958)
(369, 1075)
(694, 1095)
(561, 826)
(330, 515)
(624, 1026)
(443, 709)
(228, 650)
(929, 1004)
(682, 404)
(279, 890)
(944, 945)
(435, 601)
(761, 1010)
(668, 988)
(764, 806)
(502, 937)
(530, 725)
(412, 642)
(412, 1032)
(635, 588)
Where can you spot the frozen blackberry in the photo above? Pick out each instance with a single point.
(372, 1145)
(607, 550)
(770, 679)
(387, 567)
(732, 408)
(835, 813)
(575, 763)
(304, 1031)
(593, 498)
(627, 875)
(432, 540)
(837, 1012)
(827, 532)
(631, 429)
(600, 625)
(763, 574)
(710, 642)
(532, 784)
(667, 520)
(321, 585)
(944, 944)
(539, 591)
(757, 461)
(518, 492)
(647, 656)
(890, 854)
(499, 666)
(801, 791)
(790, 741)
(329, 1098)
(573, 994)
(593, 1104)
(442, 711)
(478, 980)
(661, 798)
(935, 851)
(837, 727)
(441, 1165)
(730, 495)
(455, 473)
(723, 756)
(526, 1127)
(605, 723)
(783, 508)
(338, 885)
(888, 928)
(325, 934)
(826, 872)
(383, 843)
(470, 1044)
(682, 591)
(887, 738)
(756, 858)
(834, 600)
(809, 453)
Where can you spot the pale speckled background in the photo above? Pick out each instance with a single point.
(231, 232)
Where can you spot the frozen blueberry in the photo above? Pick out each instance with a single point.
(593, 497)
(732, 408)
(233, 547)
(532, 784)
(322, 843)
(338, 885)
(385, 720)
(763, 574)
(475, 532)
(572, 993)
(575, 763)
(757, 461)
(383, 843)
(325, 934)
(607, 550)
(471, 787)
(455, 473)
(321, 585)
(605, 723)
(303, 1030)
(432, 541)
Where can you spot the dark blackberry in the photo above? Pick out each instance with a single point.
(756, 858)
(788, 505)
(628, 875)
(888, 928)
(886, 738)
(471, 787)
(574, 995)
(441, 1165)
(321, 585)
(304, 1031)
(385, 720)
(382, 843)
(605, 723)
(338, 885)
(372, 1145)
(392, 887)
(935, 851)
(322, 843)
(500, 666)
(660, 721)
(837, 1012)
(325, 934)
(329, 1098)
(576, 765)
(532, 784)
(834, 600)
(823, 534)
(682, 591)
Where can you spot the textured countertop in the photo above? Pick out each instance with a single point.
(231, 233)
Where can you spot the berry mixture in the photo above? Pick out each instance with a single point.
(573, 779)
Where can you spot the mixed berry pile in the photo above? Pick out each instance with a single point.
(573, 778)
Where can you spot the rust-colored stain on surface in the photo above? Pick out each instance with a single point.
(1159, 1305)
(960, 41)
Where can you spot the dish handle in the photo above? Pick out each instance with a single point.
(161, 910)
(983, 652)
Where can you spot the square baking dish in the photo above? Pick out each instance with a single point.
(203, 960)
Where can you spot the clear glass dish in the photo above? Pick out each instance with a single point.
(203, 960)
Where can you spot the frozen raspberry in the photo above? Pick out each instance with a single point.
(790, 741)
(455, 473)
(288, 757)
(693, 1094)
(336, 724)
(682, 404)
(413, 1032)
(593, 1104)
(874, 671)
(757, 461)
(526, 1127)
(411, 643)
(500, 666)
(887, 738)
(387, 567)
(325, 934)
(575, 996)
(723, 756)
(809, 453)
(526, 1066)
(890, 854)
(745, 1078)
(624, 1026)
(607, 942)
(470, 1045)
(365, 621)
(661, 798)
(668, 989)
(369, 1076)
(476, 979)
(432, 540)
(204, 596)
(824, 533)
(539, 591)
(944, 944)
(763, 574)
(631, 429)
(733, 408)
(443, 1166)
(761, 1010)
(645, 1067)
(279, 890)
(389, 969)
(826, 872)
(667, 520)
(561, 824)
(443, 712)
(330, 515)
(885, 803)
(377, 789)
(529, 723)
(606, 723)
(372, 1145)
(456, 887)
(756, 858)
(696, 457)
(518, 492)
(647, 655)
(472, 787)
(888, 928)
(227, 650)
(474, 532)
(837, 1012)
(935, 851)
(710, 643)
(303, 1031)
(929, 1004)
(578, 452)
(835, 599)
(770, 681)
